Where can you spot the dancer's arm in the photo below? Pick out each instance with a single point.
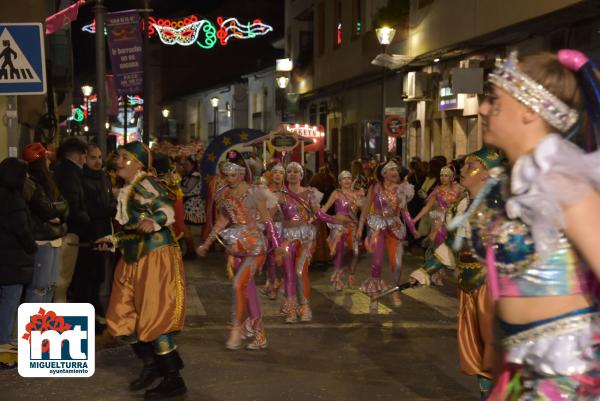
(426, 208)
(582, 220)
(219, 226)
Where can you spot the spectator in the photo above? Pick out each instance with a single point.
(17, 247)
(359, 178)
(92, 279)
(191, 184)
(49, 211)
(68, 175)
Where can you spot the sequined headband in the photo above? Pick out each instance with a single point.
(554, 111)
(344, 174)
(229, 168)
(447, 171)
(295, 166)
(278, 167)
(388, 165)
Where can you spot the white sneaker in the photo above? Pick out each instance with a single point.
(10, 348)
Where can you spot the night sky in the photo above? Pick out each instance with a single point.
(186, 69)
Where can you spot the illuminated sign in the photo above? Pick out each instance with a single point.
(309, 131)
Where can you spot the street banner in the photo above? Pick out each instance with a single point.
(64, 17)
(125, 48)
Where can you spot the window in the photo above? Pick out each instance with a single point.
(323, 114)
(312, 114)
(321, 28)
(357, 19)
(337, 15)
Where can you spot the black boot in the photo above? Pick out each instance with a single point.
(172, 383)
(149, 372)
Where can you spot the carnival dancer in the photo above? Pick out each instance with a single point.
(275, 184)
(342, 237)
(442, 198)
(147, 302)
(300, 207)
(385, 203)
(539, 234)
(475, 306)
(242, 211)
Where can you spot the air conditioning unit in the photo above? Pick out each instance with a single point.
(415, 86)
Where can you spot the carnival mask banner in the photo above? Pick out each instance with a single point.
(125, 48)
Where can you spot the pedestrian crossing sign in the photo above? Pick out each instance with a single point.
(22, 60)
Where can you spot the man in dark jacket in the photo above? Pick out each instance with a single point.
(67, 174)
(17, 248)
(93, 272)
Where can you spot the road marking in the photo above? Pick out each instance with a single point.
(194, 304)
(353, 301)
(434, 299)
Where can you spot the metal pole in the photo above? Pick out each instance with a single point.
(125, 119)
(383, 137)
(147, 78)
(215, 116)
(100, 73)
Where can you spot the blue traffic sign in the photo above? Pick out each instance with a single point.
(22, 61)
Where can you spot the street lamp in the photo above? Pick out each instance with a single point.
(385, 35)
(282, 83)
(214, 101)
(87, 91)
(166, 112)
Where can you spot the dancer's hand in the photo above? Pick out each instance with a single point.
(201, 250)
(104, 244)
(146, 226)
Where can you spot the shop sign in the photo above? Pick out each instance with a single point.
(283, 143)
(309, 131)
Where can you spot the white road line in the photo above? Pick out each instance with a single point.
(194, 304)
(447, 306)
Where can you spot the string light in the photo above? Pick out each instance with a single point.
(186, 31)
(232, 28)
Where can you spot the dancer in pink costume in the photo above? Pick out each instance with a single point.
(382, 210)
(242, 214)
(275, 184)
(299, 206)
(342, 237)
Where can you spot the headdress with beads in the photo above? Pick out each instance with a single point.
(139, 152)
(344, 174)
(486, 156)
(295, 166)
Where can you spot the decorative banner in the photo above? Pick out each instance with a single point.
(191, 29)
(309, 131)
(125, 48)
(219, 145)
(394, 126)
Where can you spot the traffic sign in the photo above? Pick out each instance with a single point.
(22, 60)
(394, 126)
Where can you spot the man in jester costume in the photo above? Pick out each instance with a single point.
(147, 302)
(476, 310)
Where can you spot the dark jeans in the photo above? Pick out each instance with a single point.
(10, 298)
(92, 279)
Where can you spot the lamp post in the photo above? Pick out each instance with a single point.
(283, 67)
(214, 101)
(385, 35)
(282, 83)
(87, 91)
(165, 113)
